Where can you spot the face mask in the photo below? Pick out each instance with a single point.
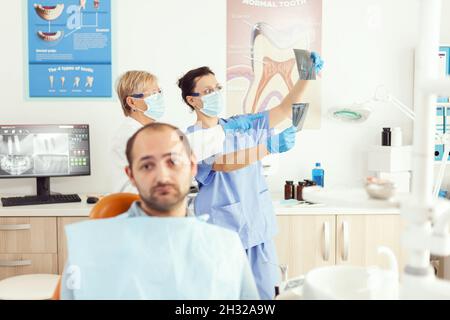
(155, 106)
(212, 104)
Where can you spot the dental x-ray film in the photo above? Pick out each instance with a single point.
(299, 112)
(305, 64)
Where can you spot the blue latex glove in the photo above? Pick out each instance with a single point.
(241, 123)
(318, 62)
(283, 141)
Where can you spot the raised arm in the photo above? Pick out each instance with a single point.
(240, 159)
(209, 142)
(284, 110)
(279, 143)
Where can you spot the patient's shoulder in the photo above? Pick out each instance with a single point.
(123, 215)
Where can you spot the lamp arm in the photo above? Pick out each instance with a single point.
(406, 110)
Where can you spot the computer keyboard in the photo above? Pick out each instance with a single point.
(34, 200)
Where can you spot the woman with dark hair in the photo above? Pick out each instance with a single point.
(239, 200)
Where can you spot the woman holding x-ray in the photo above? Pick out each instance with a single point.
(239, 200)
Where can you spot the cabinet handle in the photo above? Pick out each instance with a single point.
(17, 263)
(14, 227)
(346, 240)
(326, 241)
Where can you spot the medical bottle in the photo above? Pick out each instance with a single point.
(386, 137)
(300, 187)
(318, 175)
(289, 190)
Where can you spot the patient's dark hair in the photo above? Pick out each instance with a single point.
(156, 127)
(188, 82)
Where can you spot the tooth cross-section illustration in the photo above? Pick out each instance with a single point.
(273, 62)
(271, 68)
(50, 36)
(49, 13)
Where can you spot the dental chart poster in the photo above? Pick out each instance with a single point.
(261, 64)
(69, 48)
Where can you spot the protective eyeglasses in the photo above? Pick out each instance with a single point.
(142, 95)
(205, 92)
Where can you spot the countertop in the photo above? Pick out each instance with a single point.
(82, 209)
(74, 209)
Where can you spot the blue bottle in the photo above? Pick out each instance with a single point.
(318, 175)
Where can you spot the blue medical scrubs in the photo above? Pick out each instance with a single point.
(240, 201)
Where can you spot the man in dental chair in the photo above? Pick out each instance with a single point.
(155, 250)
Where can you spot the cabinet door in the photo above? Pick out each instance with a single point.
(359, 236)
(62, 243)
(19, 264)
(27, 235)
(305, 242)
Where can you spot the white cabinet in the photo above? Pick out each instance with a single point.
(28, 245)
(359, 236)
(33, 245)
(305, 242)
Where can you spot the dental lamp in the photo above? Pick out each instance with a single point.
(360, 112)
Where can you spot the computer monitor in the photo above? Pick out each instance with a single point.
(44, 151)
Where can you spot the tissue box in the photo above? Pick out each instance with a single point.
(402, 180)
(390, 159)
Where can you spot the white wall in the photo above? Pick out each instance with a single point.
(158, 36)
(445, 22)
(170, 37)
(361, 51)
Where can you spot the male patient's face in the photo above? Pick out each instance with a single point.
(162, 170)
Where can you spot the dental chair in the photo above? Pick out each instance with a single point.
(108, 207)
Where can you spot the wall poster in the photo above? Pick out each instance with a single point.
(261, 65)
(69, 48)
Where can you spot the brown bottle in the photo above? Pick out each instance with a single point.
(289, 190)
(300, 187)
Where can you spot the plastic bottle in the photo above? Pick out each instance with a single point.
(318, 175)
(289, 190)
(396, 137)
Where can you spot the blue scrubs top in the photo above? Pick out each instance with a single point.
(238, 200)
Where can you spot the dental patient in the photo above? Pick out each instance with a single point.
(156, 250)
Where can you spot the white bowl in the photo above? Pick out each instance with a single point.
(383, 191)
(346, 283)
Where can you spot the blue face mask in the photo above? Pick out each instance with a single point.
(155, 106)
(212, 104)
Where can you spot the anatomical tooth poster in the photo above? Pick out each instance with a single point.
(261, 63)
(69, 48)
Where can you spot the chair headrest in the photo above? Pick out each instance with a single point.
(112, 205)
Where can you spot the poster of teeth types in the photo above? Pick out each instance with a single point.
(69, 48)
(261, 63)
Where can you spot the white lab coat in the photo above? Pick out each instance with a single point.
(204, 144)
